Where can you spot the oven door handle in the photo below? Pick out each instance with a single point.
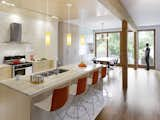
(19, 69)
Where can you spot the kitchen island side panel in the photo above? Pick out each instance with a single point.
(14, 105)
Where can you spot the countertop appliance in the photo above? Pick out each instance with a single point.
(18, 67)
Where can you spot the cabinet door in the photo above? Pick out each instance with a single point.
(5, 73)
(42, 65)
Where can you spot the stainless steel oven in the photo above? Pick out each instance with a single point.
(22, 69)
(18, 67)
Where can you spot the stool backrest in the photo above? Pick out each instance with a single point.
(81, 85)
(103, 72)
(59, 97)
(95, 77)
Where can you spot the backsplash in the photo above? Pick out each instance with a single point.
(33, 34)
(15, 49)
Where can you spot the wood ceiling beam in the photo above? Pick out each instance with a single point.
(118, 9)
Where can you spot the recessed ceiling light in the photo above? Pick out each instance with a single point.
(54, 17)
(7, 3)
(12, 5)
(69, 5)
(3, 2)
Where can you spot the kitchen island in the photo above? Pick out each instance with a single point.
(18, 96)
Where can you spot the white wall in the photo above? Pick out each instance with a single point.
(72, 54)
(33, 33)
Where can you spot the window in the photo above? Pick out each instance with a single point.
(143, 38)
(101, 45)
(108, 44)
(130, 47)
(114, 44)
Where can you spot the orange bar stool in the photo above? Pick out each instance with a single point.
(76, 109)
(93, 79)
(55, 101)
(103, 72)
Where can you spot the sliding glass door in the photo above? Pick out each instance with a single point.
(143, 38)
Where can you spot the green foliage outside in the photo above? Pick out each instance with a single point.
(130, 48)
(114, 44)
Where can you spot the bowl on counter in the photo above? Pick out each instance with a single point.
(36, 79)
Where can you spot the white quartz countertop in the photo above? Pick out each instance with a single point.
(4, 65)
(26, 87)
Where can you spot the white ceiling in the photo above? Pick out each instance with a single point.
(144, 12)
(87, 13)
(94, 22)
(90, 13)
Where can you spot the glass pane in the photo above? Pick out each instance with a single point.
(114, 45)
(101, 45)
(146, 37)
(130, 47)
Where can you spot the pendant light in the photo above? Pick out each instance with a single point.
(69, 35)
(82, 45)
(47, 38)
(47, 33)
(82, 40)
(69, 39)
(102, 36)
(82, 48)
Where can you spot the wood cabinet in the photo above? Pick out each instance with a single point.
(42, 65)
(5, 72)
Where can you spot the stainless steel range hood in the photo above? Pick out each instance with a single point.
(15, 32)
(15, 35)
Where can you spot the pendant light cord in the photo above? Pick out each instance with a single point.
(68, 9)
(47, 14)
(68, 19)
(102, 24)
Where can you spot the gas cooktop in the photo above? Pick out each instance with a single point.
(10, 63)
(15, 60)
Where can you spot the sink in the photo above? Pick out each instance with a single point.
(53, 72)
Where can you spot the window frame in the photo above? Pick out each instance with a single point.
(106, 41)
(143, 66)
(135, 48)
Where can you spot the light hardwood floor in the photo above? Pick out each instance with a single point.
(140, 102)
